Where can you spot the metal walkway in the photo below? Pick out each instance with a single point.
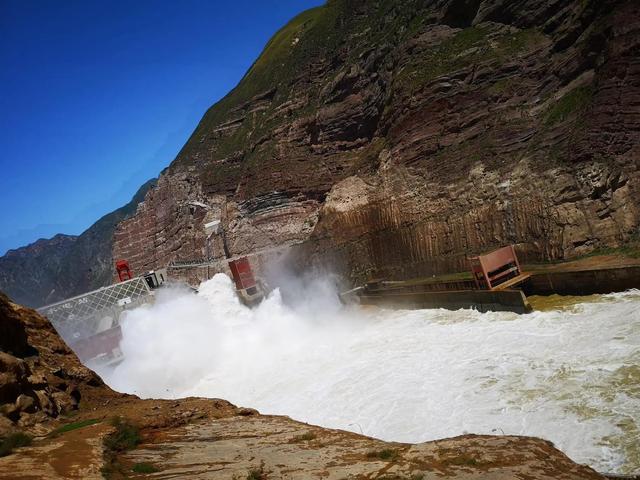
(85, 315)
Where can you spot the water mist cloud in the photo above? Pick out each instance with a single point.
(171, 346)
(400, 375)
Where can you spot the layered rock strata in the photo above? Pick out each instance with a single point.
(398, 138)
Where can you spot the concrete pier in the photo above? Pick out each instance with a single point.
(583, 277)
(481, 300)
(583, 282)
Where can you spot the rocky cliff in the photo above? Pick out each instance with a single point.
(45, 391)
(40, 377)
(397, 138)
(64, 266)
(394, 139)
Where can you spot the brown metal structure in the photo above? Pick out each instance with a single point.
(498, 270)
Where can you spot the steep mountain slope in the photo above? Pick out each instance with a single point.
(63, 266)
(397, 138)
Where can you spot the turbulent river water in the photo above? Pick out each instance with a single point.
(569, 373)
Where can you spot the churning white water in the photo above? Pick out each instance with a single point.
(570, 375)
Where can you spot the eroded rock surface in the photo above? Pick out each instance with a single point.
(277, 447)
(40, 377)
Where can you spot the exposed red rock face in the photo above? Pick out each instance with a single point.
(397, 138)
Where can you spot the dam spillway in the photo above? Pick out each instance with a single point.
(569, 373)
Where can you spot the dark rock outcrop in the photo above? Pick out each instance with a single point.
(40, 377)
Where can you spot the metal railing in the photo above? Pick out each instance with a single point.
(85, 315)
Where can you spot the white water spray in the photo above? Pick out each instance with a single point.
(571, 376)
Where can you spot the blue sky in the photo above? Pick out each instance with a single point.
(97, 97)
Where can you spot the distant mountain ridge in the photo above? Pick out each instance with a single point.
(50, 270)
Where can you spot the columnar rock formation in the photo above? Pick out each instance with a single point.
(397, 138)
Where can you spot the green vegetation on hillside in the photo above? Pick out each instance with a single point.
(576, 101)
(13, 441)
(346, 26)
(467, 47)
(306, 36)
(74, 426)
(316, 37)
(126, 436)
(296, 66)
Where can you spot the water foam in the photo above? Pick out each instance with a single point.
(571, 376)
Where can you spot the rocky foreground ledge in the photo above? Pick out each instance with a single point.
(75, 427)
